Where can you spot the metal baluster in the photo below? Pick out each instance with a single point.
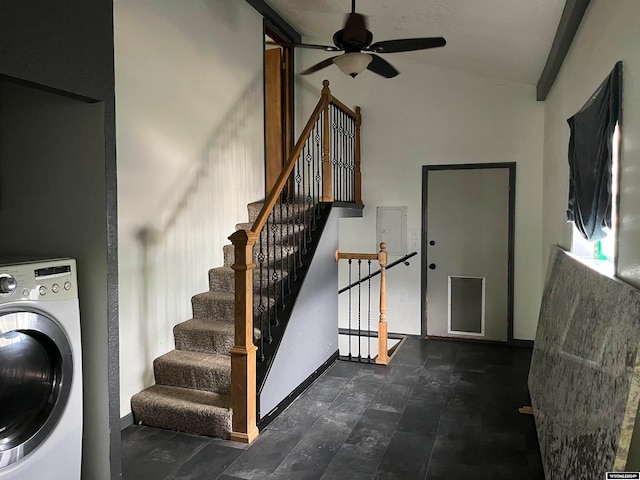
(312, 170)
(334, 150)
(268, 258)
(352, 161)
(320, 169)
(317, 162)
(288, 244)
(296, 234)
(345, 155)
(276, 263)
(369, 318)
(347, 158)
(350, 282)
(260, 258)
(307, 159)
(359, 309)
(337, 152)
(347, 143)
(340, 153)
(282, 252)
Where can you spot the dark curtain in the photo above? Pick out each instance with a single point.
(590, 153)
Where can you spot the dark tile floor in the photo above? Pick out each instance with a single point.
(442, 410)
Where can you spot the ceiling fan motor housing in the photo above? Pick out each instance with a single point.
(354, 36)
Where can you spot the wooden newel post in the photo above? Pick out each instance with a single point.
(358, 175)
(383, 350)
(243, 353)
(327, 194)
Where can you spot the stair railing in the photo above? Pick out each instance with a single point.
(359, 319)
(383, 350)
(324, 166)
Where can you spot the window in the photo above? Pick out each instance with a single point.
(594, 162)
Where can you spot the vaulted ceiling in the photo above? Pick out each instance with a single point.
(505, 39)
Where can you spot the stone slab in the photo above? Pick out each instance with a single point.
(584, 379)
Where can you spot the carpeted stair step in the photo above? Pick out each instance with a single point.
(185, 410)
(220, 306)
(195, 370)
(205, 336)
(222, 279)
(296, 211)
(278, 257)
(288, 234)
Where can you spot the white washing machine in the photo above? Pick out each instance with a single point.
(40, 371)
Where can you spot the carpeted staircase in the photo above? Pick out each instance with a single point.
(192, 387)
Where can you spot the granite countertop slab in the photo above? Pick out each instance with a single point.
(584, 378)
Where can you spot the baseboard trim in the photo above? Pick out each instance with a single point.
(522, 343)
(126, 421)
(396, 347)
(271, 416)
(514, 343)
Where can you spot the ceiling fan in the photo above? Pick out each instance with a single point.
(354, 39)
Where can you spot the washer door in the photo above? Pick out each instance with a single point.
(36, 369)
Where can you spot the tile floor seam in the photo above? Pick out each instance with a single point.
(301, 437)
(426, 475)
(314, 423)
(440, 410)
(189, 458)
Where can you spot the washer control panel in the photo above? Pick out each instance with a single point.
(38, 280)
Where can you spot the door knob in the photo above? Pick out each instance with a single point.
(432, 266)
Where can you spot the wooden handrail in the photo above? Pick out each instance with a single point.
(381, 256)
(288, 168)
(243, 353)
(355, 256)
(344, 108)
(388, 267)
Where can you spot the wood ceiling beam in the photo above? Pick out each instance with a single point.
(567, 28)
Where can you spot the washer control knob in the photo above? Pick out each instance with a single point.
(55, 288)
(43, 290)
(8, 284)
(67, 285)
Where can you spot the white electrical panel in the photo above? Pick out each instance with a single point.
(391, 228)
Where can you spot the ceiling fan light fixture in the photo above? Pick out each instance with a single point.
(353, 63)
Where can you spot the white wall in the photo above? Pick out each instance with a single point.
(608, 33)
(189, 119)
(432, 115)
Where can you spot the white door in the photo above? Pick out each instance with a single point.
(467, 252)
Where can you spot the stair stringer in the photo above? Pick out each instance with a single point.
(311, 334)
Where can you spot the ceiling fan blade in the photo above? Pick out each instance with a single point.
(326, 48)
(380, 66)
(318, 66)
(407, 44)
